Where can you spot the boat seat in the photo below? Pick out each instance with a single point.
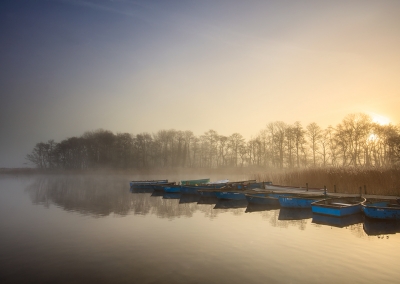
(394, 205)
(341, 204)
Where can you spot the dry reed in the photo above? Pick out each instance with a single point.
(379, 181)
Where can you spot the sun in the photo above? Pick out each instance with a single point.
(380, 119)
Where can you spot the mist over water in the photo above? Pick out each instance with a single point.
(93, 228)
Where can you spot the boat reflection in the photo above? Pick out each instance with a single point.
(189, 198)
(141, 190)
(339, 222)
(207, 200)
(171, 195)
(253, 207)
(373, 227)
(157, 193)
(230, 203)
(295, 213)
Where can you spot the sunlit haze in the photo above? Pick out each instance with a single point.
(70, 66)
(380, 119)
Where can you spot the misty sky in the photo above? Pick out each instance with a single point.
(70, 66)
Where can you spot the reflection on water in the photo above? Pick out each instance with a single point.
(101, 197)
(63, 229)
(381, 227)
(339, 222)
(253, 207)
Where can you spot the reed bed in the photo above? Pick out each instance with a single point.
(379, 181)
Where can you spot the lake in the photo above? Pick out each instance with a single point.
(93, 229)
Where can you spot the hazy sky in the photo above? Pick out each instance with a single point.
(69, 66)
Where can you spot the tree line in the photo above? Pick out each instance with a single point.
(355, 141)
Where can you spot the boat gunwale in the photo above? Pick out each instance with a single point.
(340, 205)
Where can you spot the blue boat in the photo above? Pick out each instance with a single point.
(228, 190)
(195, 189)
(146, 183)
(341, 206)
(382, 209)
(172, 189)
(235, 195)
(299, 200)
(160, 187)
(207, 192)
(262, 198)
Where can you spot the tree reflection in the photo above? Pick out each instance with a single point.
(102, 196)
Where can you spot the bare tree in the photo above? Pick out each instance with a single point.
(314, 134)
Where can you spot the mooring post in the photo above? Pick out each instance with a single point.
(306, 186)
(365, 189)
(334, 188)
(325, 190)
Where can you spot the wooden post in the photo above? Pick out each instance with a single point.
(365, 189)
(334, 188)
(325, 190)
(306, 186)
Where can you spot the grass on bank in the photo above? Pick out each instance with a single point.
(379, 181)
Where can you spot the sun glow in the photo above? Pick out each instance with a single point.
(380, 119)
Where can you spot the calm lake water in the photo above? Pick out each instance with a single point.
(76, 229)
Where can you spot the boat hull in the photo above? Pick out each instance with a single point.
(189, 190)
(172, 189)
(146, 183)
(297, 201)
(381, 210)
(207, 193)
(230, 195)
(195, 181)
(337, 207)
(262, 199)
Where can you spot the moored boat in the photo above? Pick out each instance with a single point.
(172, 189)
(388, 209)
(146, 183)
(299, 200)
(236, 195)
(260, 198)
(195, 181)
(195, 189)
(160, 187)
(274, 187)
(340, 206)
(228, 190)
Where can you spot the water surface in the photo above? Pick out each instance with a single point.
(92, 229)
